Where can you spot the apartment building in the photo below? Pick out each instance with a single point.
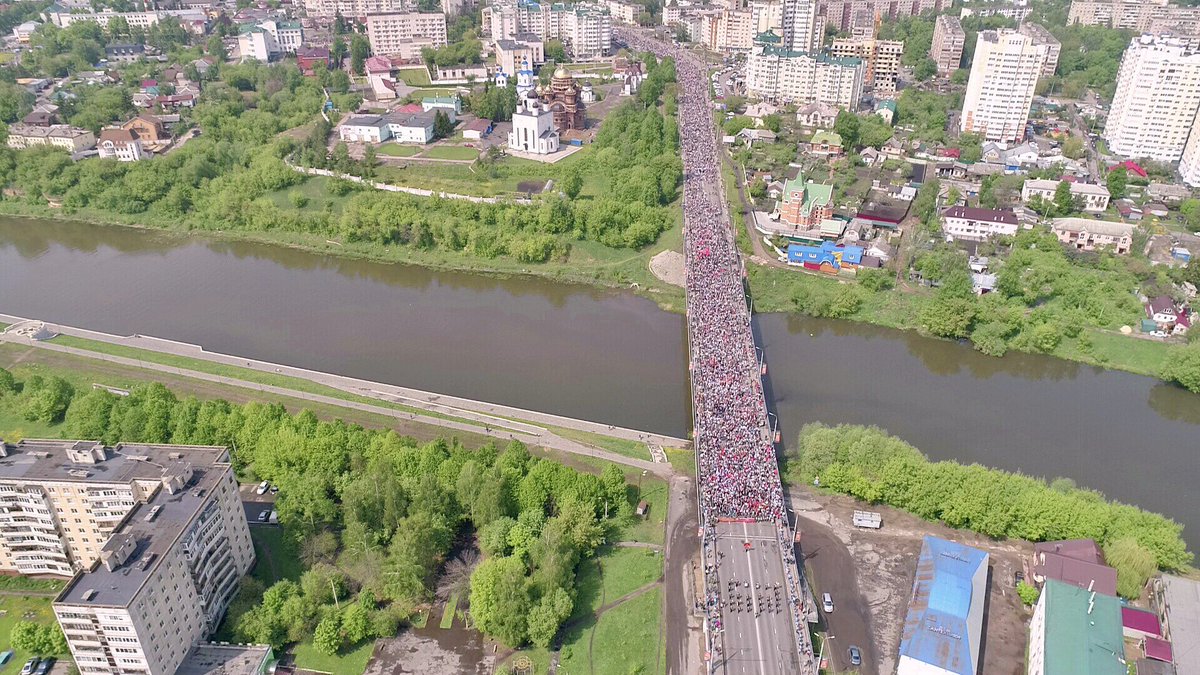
(802, 31)
(949, 38)
(289, 35)
(123, 145)
(881, 61)
(513, 56)
(356, 8)
(1094, 197)
(858, 15)
(671, 13)
(72, 139)
(1043, 37)
(1004, 72)
(160, 542)
(783, 76)
(1153, 16)
(256, 43)
(727, 30)
(970, 224)
(584, 29)
(63, 17)
(625, 12)
(1086, 234)
(1157, 96)
(396, 33)
(767, 15)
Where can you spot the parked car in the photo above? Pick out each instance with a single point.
(855, 656)
(263, 515)
(263, 487)
(44, 667)
(30, 666)
(274, 489)
(827, 602)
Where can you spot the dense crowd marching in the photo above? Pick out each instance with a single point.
(737, 464)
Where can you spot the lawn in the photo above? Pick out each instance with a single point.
(626, 640)
(448, 614)
(397, 150)
(1113, 350)
(626, 569)
(620, 446)
(353, 662)
(684, 461)
(316, 192)
(414, 77)
(278, 558)
(450, 152)
(14, 608)
(419, 94)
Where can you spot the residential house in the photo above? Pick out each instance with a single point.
(379, 76)
(887, 216)
(1094, 197)
(363, 129)
(25, 31)
(971, 224)
(817, 115)
(805, 205)
(1075, 631)
(308, 58)
(894, 149)
(1164, 313)
(148, 128)
(476, 129)
(408, 127)
(1144, 627)
(825, 144)
(40, 118)
(176, 101)
(829, 258)
(1168, 192)
(759, 111)
(870, 156)
(1156, 209)
(1128, 210)
(753, 136)
(122, 145)
(1078, 562)
(1177, 602)
(1089, 235)
(887, 110)
(1134, 169)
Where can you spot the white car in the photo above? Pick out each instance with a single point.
(263, 487)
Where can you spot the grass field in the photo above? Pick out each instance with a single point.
(620, 446)
(684, 461)
(397, 150)
(353, 662)
(450, 152)
(625, 639)
(14, 608)
(414, 77)
(278, 558)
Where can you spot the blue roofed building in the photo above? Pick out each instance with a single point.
(828, 257)
(944, 625)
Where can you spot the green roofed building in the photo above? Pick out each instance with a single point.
(805, 205)
(1076, 632)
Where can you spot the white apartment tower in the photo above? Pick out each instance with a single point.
(767, 15)
(155, 537)
(396, 33)
(782, 76)
(1158, 93)
(802, 30)
(1003, 76)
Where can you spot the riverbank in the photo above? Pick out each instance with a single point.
(587, 264)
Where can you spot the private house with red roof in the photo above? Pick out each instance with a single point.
(308, 57)
(1078, 562)
(1131, 166)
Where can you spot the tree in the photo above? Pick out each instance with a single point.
(1117, 181)
(925, 69)
(48, 403)
(8, 384)
(442, 126)
(1182, 365)
(546, 616)
(1190, 210)
(555, 51)
(1134, 564)
(571, 183)
(846, 125)
(500, 600)
(216, 49)
(38, 638)
(327, 638)
(356, 623)
(1073, 147)
(1064, 202)
(948, 316)
(338, 51)
(360, 49)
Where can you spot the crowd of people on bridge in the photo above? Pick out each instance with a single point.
(738, 473)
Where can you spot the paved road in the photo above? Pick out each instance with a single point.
(833, 573)
(684, 639)
(482, 412)
(758, 637)
(542, 438)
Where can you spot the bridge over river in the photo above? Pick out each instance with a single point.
(756, 603)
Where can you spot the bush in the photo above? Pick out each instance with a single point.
(1134, 564)
(1028, 593)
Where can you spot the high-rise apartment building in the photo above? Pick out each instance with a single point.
(356, 8)
(881, 61)
(155, 536)
(767, 16)
(1043, 37)
(1158, 93)
(727, 30)
(852, 16)
(394, 33)
(1152, 16)
(948, 41)
(584, 29)
(802, 32)
(1004, 72)
(784, 76)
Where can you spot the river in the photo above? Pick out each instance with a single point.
(604, 355)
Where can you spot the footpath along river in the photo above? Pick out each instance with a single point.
(605, 356)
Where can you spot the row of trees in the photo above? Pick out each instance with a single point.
(376, 516)
(870, 465)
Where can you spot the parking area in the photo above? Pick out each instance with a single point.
(255, 505)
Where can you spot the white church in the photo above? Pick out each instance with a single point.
(533, 122)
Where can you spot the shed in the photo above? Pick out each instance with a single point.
(1139, 623)
(642, 508)
(476, 129)
(1158, 649)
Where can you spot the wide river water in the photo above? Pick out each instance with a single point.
(605, 356)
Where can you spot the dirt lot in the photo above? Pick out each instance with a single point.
(884, 563)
